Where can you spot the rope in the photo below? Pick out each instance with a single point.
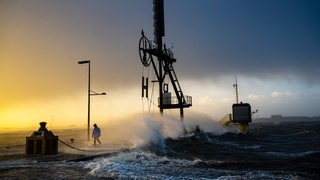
(142, 104)
(151, 101)
(77, 148)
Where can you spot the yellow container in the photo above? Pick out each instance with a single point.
(243, 128)
(42, 145)
(42, 141)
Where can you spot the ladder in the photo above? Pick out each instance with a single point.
(175, 83)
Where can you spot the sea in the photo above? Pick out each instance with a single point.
(270, 150)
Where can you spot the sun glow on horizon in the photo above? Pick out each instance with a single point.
(71, 111)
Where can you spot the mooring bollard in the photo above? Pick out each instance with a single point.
(42, 141)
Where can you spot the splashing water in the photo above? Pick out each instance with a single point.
(146, 165)
(142, 130)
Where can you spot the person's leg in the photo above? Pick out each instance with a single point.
(98, 140)
(94, 140)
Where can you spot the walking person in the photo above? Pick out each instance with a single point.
(96, 134)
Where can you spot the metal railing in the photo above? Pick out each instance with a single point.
(187, 100)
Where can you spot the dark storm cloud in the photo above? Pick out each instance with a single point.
(264, 39)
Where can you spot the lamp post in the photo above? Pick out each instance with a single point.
(90, 93)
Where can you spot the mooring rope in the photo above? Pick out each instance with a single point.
(71, 146)
(78, 148)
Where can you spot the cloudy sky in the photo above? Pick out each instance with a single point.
(272, 46)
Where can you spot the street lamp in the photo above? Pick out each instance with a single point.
(90, 93)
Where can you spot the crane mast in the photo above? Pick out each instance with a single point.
(163, 66)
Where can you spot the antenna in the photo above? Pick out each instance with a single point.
(236, 88)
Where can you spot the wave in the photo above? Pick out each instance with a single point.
(137, 165)
(147, 165)
(143, 165)
(294, 154)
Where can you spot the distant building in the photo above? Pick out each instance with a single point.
(280, 118)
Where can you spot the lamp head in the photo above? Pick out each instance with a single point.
(84, 62)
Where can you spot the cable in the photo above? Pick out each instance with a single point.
(142, 104)
(71, 146)
(77, 148)
(151, 101)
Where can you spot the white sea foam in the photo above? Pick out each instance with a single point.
(137, 165)
(144, 165)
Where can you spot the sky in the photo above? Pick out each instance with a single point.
(272, 46)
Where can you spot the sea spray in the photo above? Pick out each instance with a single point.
(205, 123)
(140, 130)
(151, 134)
(151, 129)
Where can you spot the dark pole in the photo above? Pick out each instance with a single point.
(158, 19)
(88, 62)
(90, 93)
(89, 103)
